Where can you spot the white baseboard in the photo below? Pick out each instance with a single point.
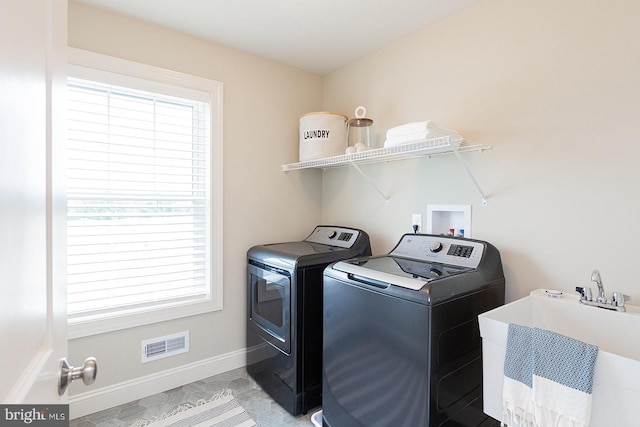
(107, 397)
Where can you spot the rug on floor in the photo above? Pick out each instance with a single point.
(222, 410)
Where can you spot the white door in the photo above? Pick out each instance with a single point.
(33, 39)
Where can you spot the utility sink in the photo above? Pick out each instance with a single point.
(616, 382)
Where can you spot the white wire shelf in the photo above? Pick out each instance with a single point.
(425, 148)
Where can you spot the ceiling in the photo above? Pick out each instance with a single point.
(319, 36)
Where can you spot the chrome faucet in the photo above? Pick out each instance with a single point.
(617, 301)
(595, 277)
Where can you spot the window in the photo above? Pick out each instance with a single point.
(144, 200)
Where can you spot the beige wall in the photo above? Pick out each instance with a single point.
(262, 103)
(553, 87)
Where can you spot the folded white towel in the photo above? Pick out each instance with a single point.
(412, 127)
(415, 137)
(410, 137)
(415, 127)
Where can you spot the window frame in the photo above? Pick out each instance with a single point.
(102, 68)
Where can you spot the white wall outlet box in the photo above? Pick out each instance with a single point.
(442, 218)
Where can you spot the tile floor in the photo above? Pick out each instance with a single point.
(256, 402)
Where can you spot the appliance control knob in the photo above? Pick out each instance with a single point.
(435, 247)
(332, 234)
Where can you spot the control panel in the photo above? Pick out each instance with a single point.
(441, 249)
(334, 236)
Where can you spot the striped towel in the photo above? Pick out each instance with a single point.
(548, 379)
(517, 389)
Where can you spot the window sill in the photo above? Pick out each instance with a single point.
(84, 327)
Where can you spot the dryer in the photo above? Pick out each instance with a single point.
(401, 339)
(284, 319)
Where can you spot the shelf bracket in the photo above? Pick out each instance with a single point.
(371, 183)
(485, 200)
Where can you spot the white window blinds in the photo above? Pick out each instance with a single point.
(138, 174)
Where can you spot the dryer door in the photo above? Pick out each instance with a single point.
(270, 304)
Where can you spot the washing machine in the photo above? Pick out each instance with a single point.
(402, 345)
(284, 322)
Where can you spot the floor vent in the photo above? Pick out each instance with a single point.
(159, 348)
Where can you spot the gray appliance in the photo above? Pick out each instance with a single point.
(284, 324)
(401, 338)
